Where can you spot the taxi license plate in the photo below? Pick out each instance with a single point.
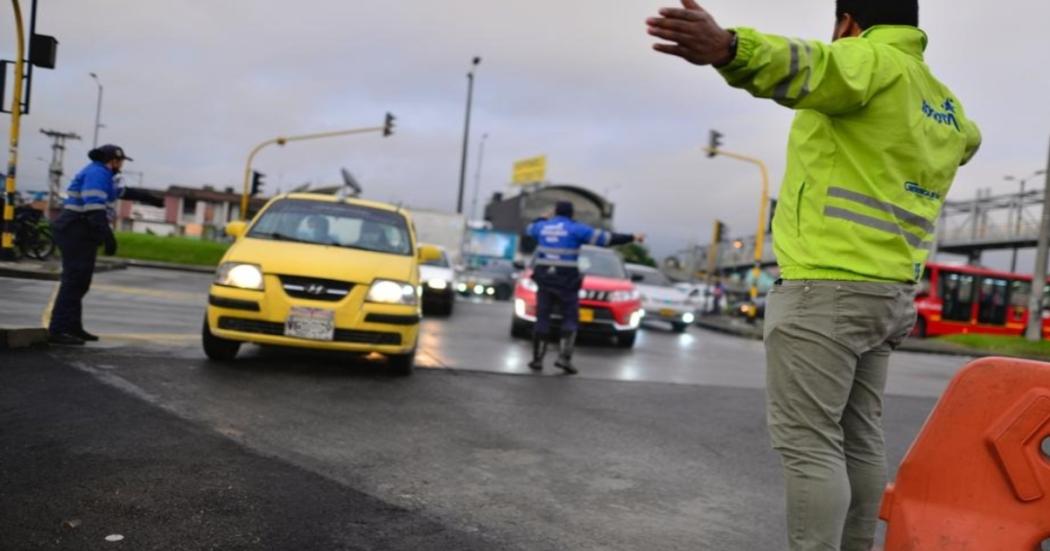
(586, 315)
(316, 324)
(668, 312)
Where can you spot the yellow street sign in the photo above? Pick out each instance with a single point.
(530, 171)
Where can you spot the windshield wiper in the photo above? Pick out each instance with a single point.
(278, 236)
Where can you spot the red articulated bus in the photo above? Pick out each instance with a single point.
(970, 299)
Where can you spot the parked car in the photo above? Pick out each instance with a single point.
(438, 280)
(610, 305)
(707, 297)
(495, 281)
(322, 272)
(661, 300)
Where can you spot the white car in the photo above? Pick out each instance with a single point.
(661, 299)
(438, 280)
(704, 296)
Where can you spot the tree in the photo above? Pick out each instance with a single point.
(636, 253)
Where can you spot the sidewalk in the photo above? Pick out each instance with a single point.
(739, 327)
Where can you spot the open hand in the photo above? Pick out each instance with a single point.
(695, 35)
(639, 238)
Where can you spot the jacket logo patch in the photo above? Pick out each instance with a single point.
(912, 187)
(946, 117)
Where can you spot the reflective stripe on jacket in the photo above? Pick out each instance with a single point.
(872, 153)
(558, 241)
(92, 189)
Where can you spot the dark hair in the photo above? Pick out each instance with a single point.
(869, 13)
(564, 208)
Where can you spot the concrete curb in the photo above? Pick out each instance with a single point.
(51, 271)
(11, 338)
(171, 266)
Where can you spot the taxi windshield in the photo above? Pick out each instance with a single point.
(334, 224)
(601, 263)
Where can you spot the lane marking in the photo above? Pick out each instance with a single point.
(45, 317)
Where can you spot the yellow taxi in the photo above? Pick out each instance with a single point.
(322, 272)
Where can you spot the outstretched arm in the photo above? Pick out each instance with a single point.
(830, 78)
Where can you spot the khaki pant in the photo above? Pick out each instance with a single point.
(827, 348)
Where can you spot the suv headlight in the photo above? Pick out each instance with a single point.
(624, 296)
(438, 284)
(528, 284)
(392, 292)
(240, 275)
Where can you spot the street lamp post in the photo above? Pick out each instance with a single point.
(98, 110)
(477, 177)
(466, 135)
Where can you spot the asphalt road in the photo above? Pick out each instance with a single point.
(662, 447)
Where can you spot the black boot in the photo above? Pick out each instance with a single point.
(564, 361)
(86, 336)
(539, 350)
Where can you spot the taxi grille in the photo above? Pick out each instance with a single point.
(277, 329)
(315, 288)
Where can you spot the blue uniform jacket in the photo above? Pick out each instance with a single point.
(558, 241)
(92, 196)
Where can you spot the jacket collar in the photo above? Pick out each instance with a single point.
(908, 39)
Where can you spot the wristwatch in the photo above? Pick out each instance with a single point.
(732, 49)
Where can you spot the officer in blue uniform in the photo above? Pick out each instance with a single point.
(556, 272)
(82, 227)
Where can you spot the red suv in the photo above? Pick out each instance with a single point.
(609, 304)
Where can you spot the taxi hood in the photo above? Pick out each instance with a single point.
(323, 261)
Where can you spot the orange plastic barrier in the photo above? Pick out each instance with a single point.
(977, 478)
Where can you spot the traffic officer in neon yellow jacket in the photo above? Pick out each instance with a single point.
(872, 153)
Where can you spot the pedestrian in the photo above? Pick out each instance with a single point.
(80, 229)
(873, 150)
(556, 272)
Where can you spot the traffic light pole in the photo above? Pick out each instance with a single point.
(7, 242)
(760, 237)
(385, 129)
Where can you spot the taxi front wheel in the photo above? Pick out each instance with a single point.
(402, 364)
(217, 348)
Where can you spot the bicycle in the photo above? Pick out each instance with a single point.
(31, 232)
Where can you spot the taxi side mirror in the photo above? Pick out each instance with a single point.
(236, 228)
(428, 253)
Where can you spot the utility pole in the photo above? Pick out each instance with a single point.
(466, 136)
(98, 110)
(54, 181)
(1034, 332)
(477, 177)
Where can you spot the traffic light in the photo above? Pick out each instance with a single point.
(715, 143)
(257, 182)
(721, 231)
(388, 125)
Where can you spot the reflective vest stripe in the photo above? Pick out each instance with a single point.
(875, 223)
(557, 263)
(91, 193)
(781, 91)
(901, 214)
(556, 251)
(84, 208)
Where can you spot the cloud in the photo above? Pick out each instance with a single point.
(192, 85)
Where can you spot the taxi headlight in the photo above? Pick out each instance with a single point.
(392, 292)
(624, 296)
(242, 276)
(437, 284)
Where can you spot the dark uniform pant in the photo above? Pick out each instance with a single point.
(76, 240)
(559, 288)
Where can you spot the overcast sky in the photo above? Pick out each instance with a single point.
(192, 85)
